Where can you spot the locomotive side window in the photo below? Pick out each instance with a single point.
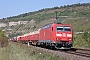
(52, 28)
(63, 28)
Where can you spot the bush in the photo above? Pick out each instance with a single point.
(86, 36)
(3, 39)
(3, 42)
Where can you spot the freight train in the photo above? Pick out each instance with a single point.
(58, 36)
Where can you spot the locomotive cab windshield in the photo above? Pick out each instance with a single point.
(63, 28)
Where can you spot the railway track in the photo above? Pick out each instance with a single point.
(79, 52)
(75, 51)
(71, 54)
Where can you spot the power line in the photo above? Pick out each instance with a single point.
(68, 1)
(71, 0)
(79, 1)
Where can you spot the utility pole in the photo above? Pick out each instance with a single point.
(56, 15)
(57, 18)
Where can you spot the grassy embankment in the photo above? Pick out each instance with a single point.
(17, 51)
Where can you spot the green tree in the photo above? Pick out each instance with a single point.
(1, 33)
(3, 39)
(86, 36)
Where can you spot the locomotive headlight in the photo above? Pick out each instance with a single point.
(69, 39)
(57, 39)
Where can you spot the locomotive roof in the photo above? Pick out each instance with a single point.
(49, 25)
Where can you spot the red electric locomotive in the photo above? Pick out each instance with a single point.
(55, 35)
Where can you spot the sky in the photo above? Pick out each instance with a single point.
(9, 8)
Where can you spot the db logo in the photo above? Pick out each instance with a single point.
(64, 35)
